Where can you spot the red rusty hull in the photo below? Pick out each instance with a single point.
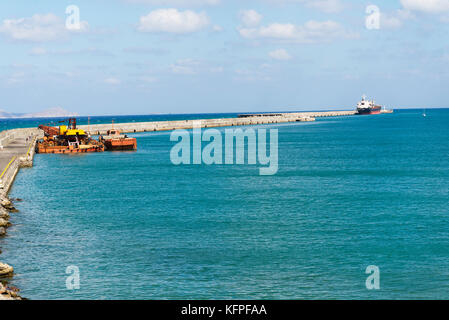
(121, 144)
(40, 148)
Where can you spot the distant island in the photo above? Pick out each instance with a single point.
(56, 112)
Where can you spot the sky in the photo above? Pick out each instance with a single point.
(217, 56)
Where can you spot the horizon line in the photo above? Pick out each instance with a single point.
(199, 113)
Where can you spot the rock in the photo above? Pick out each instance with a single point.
(6, 269)
(13, 293)
(5, 202)
(2, 233)
(7, 293)
(4, 223)
(18, 200)
(4, 214)
(10, 208)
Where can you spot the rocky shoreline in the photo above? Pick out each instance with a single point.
(6, 271)
(25, 141)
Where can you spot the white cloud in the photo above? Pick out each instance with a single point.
(280, 54)
(430, 6)
(310, 32)
(112, 80)
(250, 18)
(173, 21)
(38, 28)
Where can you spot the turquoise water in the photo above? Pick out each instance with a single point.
(350, 192)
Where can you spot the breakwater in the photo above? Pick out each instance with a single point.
(16, 151)
(243, 120)
(314, 114)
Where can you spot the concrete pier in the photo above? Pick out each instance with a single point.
(312, 114)
(242, 120)
(16, 151)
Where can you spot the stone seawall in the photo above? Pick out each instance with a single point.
(16, 151)
(243, 120)
(189, 124)
(312, 114)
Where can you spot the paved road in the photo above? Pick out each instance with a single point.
(18, 147)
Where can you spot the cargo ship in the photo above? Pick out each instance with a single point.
(67, 139)
(115, 141)
(368, 107)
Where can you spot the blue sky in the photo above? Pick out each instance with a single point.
(193, 56)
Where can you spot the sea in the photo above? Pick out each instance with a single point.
(358, 209)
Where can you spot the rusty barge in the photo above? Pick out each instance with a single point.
(67, 139)
(70, 139)
(114, 140)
